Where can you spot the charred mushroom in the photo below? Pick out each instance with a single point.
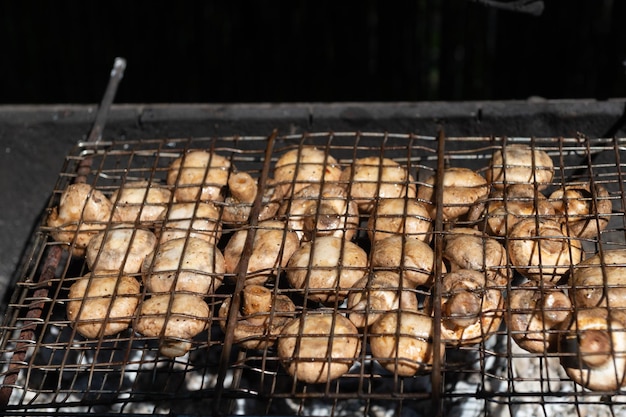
(317, 348)
(123, 248)
(140, 202)
(600, 280)
(199, 175)
(399, 216)
(520, 164)
(584, 213)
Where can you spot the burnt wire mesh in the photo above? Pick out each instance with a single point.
(50, 367)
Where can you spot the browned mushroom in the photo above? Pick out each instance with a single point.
(521, 164)
(327, 268)
(539, 311)
(413, 259)
(140, 201)
(539, 250)
(399, 216)
(584, 213)
(191, 265)
(175, 319)
(122, 248)
(272, 247)
(402, 342)
(261, 317)
(376, 294)
(322, 210)
(82, 212)
(593, 351)
(318, 347)
(199, 175)
(462, 188)
(199, 220)
(600, 280)
(102, 304)
(238, 204)
(471, 310)
(374, 177)
(466, 248)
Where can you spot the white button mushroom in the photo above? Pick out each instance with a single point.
(318, 347)
(399, 216)
(123, 248)
(242, 191)
(140, 201)
(600, 280)
(199, 220)
(521, 164)
(584, 213)
(199, 175)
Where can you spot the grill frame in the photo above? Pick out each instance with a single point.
(455, 151)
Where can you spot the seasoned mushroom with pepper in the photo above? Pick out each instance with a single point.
(462, 188)
(318, 347)
(600, 280)
(539, 313)
(399, 216)
(261, 318)
(593, 351)
(198, 175)
(123, 248)
(520, 164)
(102, 304)
(140, 202)
(374, 177)
(175, 319)
(327, 268)
(402, 342)
(82, 212)
(584, 213)
(376, 294)
(242, 191)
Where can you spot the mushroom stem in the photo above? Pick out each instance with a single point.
(242, 187)
(256, 300)
(556, 308)
(595, 347)
(462, 309)
(325, 222)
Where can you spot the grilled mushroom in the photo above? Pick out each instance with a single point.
(520, 164)
(399, 216)
(471, 310)
(376, 294)
(584, 213)
(140, 201)
(272, 247)
(102, 304)
(539, 250)
(462, 188)
(83, 212)
(122, 248)
(322, 210)
(242, 193)
(192, 265)
(402, 342)
(318, 347)
(538, 312)
(175, 319)
(199, 175)
(413, 259)
(374, 177)
(261, 318)
(327, 268)
(593, 351)
(198, 220)
(600, 280)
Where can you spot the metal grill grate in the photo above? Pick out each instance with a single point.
(49, 368)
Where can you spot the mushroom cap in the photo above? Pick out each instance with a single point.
(594, 349)
(376, 294)
(374, 177)
(322, 210)
(299, 168)
(198, 175)
(200, 220)
(413, 258)
(399, 216)
(538, 313)
(471, 311)
(103, 304)
(600, 280)
(462, 188)
(519, 163)
(123, 248)
(317, 348)
(585, 213)
(140, 201)
(192, 265)
(327, 268)
(82, 212)
(539, 250)
(401, 341)
(466, 248)
(175, 318)
(272, 247)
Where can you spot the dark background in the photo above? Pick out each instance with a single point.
(285, 51)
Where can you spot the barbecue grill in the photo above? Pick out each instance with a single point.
(48, 368)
